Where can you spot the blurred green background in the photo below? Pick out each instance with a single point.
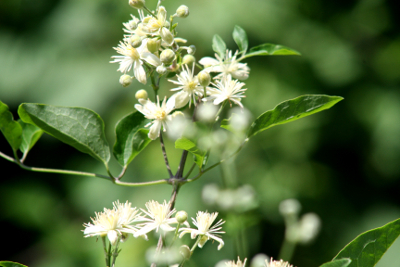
(343, 164)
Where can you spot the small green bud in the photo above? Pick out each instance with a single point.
(135, 41)
(182, 11)
(185, 252)
(141, 94)
(162, 70)
(153, 45)
(181, 216)
(191, 49)
(167, 56)
(138, 4)
(204, 78)
(188, 59)
(125, 80)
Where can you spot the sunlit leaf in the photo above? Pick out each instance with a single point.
(11, 129)
(80, 128)
(337, 263)
(291, 110)
(368, 248)
(131, 137)
(11, 264)
(189, 145)
(30, 135)
(240, 37)
(271, 50)
(218, 45)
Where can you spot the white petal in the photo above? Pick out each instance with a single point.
(181, 99)
(155, 130)
(151, 59)
(139, 72)
(208, 61)
(112, 236)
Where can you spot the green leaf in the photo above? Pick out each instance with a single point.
(30, 135)
(368, 248)
(337, 263)
(240, 37)
(189, 145)
(271, 50)
(80, 128)
(219, 45)
(131, 137)
(11, 129)
(11, 264)
(291, 110)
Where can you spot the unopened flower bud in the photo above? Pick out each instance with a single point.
(191, 49)
(185, 252)
(290, 207)
(153, 45)
(204, 78)
(141, 94)
(135, 41)
(138, 4)
(132, 25)
(167, 56)
(181, 216)
(188, 59)
(167, 36)
(182, 11)
(125, 80)
(162, 70)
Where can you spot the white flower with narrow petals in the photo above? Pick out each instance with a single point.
(227, 65)
(281, 263)
(158, 113)
(159, 217)
(226, 89)
(157, 26)
(204, 230)
(133, 57)
(189, 87)
(239, 263)
(112, 223)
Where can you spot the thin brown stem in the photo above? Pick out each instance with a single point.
(165, 156)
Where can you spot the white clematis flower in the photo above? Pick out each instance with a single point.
(112, 223)
(203, 222)
(227, 65)
(239, 263)
(281, 263)
(226, 89)
(158, 113)
(133, 57)
(159, 217)
(158, 26)
(189, 86)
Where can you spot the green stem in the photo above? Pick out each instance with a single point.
(103, 238)
(164, 181)
(195, 244)
(287, 250)
(150, 12)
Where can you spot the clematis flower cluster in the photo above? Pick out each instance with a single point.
(122, 219)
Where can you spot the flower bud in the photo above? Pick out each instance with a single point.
(167, 36)
(185, 252)
(188, 59)
(167, 56)
(125, 80)
(153, 45)
(290, 207)
(135, 41)
(204, 78)
(162, 70)
(182, 11)
(138, 4)
(191, 49)
(141, 94)
(181, 216)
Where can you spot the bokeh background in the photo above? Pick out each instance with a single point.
(343, 164)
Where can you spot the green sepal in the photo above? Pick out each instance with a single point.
(240, 37)
(219, 45)
(368, 248)
(131, 137)
(10, 128)
(291, 110)
(271, 50)
(80, 128)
